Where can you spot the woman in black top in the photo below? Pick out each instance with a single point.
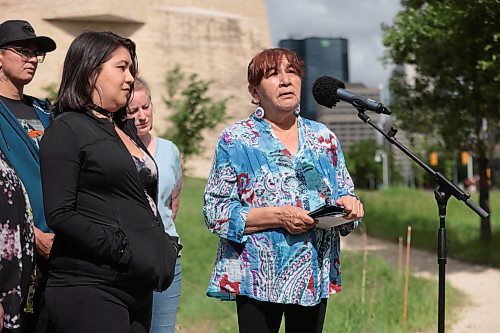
(100, 186)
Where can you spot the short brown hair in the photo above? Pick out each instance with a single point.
(270, 59)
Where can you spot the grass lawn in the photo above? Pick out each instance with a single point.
(381, 312)
(389, 212)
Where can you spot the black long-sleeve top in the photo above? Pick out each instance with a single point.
(94, 202)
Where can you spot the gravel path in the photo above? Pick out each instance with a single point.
(481, 284)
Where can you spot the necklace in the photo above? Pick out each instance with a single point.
(102, 113)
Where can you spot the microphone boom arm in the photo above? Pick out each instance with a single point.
(440, 179)
(445, 190)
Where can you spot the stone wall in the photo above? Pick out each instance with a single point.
(215, 39)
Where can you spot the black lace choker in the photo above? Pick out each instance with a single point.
(101, 111)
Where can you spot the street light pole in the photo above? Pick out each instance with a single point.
(381, 156)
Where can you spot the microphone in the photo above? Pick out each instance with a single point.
(327, 91)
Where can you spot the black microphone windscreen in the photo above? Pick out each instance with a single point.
(325, 90)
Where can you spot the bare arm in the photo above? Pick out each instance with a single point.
(43, 243)
(293, 219)
(176, 192)
(176, 198)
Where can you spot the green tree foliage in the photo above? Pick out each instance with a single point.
(365, 172)
(51, 91)
(193, 111)
(454, 46)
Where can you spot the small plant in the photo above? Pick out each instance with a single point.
(193, 111)
(51, 91)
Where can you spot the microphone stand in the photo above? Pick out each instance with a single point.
(444, 191)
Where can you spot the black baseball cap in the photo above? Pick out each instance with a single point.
(13, 31)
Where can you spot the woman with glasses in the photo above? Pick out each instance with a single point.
(23, 120)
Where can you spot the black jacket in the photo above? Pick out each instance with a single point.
(106, 232)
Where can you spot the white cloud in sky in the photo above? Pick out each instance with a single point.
(359, 21)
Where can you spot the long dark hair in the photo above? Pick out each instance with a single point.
(83, 62)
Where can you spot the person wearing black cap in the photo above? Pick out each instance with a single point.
(23, 120)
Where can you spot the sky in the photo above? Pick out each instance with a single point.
(357, 20)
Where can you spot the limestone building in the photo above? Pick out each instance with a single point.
(215, 39)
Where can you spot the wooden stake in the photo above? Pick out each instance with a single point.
(365, 263)
(407, 273)
(400, 258)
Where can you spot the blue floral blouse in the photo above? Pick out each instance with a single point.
(252, 168)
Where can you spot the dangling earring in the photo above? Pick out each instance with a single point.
(259, 112)
(99, 89)
(297, 111)
(99, 92)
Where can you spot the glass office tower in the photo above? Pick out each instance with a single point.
(321, 56)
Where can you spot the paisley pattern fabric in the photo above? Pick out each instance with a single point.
(252, 168)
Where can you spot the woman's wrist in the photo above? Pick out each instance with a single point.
(265, 218)
(279, 217)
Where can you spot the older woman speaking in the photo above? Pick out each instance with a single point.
(269, 171)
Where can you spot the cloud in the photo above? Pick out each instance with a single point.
(358, 21)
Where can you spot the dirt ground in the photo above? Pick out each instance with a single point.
(480, 284)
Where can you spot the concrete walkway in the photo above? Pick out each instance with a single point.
(480, 284)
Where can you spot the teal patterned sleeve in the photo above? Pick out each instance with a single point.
(224, 213)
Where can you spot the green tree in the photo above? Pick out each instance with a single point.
(454, 47)
(365, 172)
(51, 91)
(193, 111)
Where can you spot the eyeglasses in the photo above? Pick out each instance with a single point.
(26, 53)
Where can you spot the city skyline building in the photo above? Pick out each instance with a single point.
(321, 56)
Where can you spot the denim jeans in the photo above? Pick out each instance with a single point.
(166, 304)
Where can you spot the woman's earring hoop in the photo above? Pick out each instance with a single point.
(99, 89)
(100, 93)
(259, 112)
